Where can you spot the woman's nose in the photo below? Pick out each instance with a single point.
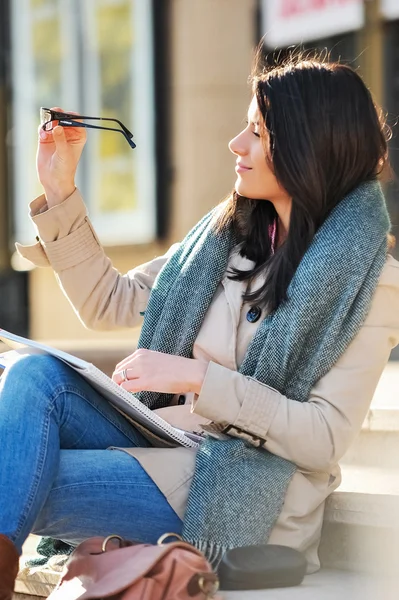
(237, 145)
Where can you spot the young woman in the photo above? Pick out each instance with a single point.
(274, 319)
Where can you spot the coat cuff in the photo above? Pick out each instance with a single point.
(58, 221)
(65, 235)
(74, 249)
(229, 398)
(35, 254)
(219, 398)
(64, 253)
(258, 408)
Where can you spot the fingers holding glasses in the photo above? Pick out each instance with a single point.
(45, 129)
(70, 127)
(51, 131)
(72, 135)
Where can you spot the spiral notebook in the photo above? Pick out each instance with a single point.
(156, 429)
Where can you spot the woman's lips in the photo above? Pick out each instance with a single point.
(242, 169)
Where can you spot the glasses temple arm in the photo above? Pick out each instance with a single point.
(60, 116)
(72, 123)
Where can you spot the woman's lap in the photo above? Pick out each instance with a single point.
(57, 476)
(104, 492)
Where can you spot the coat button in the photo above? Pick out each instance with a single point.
(254, 314)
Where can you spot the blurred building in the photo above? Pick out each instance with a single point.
(175, 72)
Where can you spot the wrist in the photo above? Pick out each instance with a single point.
(200, 370)
(59, 195)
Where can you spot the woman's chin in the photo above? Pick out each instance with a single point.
(241, 189)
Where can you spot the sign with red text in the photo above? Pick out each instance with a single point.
(286, 22)
(390, 9)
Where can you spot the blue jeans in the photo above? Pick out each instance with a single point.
(57, 477)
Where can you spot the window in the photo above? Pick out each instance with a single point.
(94, 57)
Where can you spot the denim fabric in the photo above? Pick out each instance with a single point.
(57, 477)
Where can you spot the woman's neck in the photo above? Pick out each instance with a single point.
(283, 210)
(281, 233)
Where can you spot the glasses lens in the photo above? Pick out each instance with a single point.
(45, 118)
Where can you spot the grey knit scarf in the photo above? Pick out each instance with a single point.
(238, 490)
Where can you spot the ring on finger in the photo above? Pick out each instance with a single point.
(124, 375)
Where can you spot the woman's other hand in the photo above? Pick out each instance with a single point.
(159, 372)
(58, 155)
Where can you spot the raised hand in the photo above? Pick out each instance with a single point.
(58, 155)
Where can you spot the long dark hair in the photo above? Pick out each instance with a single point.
(326, 136)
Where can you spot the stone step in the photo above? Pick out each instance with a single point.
(360, 534)
(325, 585)
(378, 442)
(361, 522)
(377, 445)
(386, 393)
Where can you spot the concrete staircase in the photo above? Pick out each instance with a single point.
(327, 584)
(361, 523)
(359, 549)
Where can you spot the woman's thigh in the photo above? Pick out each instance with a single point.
(104, 492)
(56, 403)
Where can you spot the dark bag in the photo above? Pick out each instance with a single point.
(261, 567)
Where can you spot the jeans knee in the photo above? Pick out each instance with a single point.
(32, 366)
(33, 376)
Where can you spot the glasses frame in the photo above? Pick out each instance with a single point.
(47, 116)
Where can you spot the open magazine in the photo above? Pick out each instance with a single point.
(149, 423)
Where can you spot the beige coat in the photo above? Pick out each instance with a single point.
(314, 435)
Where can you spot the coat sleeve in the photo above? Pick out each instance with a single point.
(314, 434)
(103, 298)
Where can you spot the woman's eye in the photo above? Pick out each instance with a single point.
(252, 125)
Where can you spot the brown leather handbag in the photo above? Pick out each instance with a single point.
(113, 567)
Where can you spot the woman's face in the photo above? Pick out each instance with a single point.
(255, 179)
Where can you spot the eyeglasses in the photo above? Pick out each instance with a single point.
(47, 116)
